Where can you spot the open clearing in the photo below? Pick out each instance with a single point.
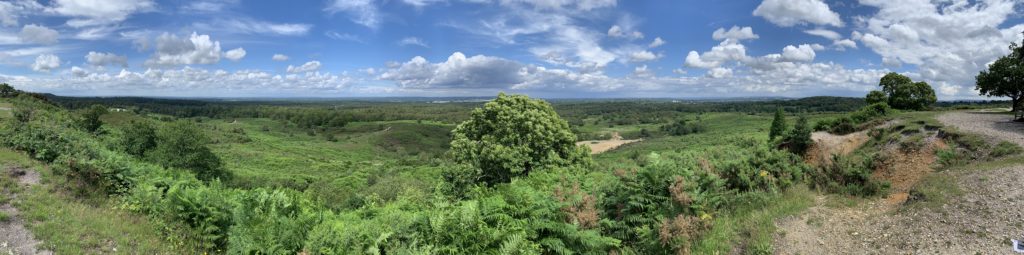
(599, 146)
(980, 215)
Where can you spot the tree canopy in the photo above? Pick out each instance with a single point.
(91, 118)
(1004, 77)
(875, 97)
(6, 90)
(182, 145)
(513, 135)
(906, 94)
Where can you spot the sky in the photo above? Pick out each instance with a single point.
(542, 48)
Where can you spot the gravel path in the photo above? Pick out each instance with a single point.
(981, 221)
(992, 125)
(14, 237)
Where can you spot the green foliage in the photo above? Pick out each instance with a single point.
(207, 210)
(799, 140)
(91, 118)
(1005, 148)
(876, 96)
(1004, 77)
(6, 90)
(683, 127)
(855, 121)
(847, 175)
(182, 144)
(778, 125)
(763, 169)
(137, 138)
(272, 222)
(514, 135)
(906, 94)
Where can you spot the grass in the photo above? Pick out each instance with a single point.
(1004, 148)
(752, 226)
(4, 110)
(66, 225)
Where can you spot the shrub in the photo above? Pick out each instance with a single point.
(137, 138)
(91, 118)
(272, 222)
(1005, 148)
(778, 127)
(799, 140)
(513, 135)
(182, 145)
(846, 175)
(207, 210)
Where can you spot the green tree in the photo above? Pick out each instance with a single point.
(91, 118)
(513, 135)
(1004, 77)
(182, 144)
(905, 94)
(6, 90)
(778, 125)
(875, 96)
(799, 139)
(137, 138)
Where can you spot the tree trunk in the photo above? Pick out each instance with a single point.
(1016, 107)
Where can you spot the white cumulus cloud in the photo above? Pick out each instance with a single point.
(279, 57)
(103, 59)
(734, 33)
(235, 54)
(46, 62)
(793, 12)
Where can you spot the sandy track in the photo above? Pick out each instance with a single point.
(992, 125)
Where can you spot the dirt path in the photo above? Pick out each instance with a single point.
(14, 237)
(981, 220)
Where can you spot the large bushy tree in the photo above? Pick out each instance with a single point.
(1004, 77)
(513, 135)
(91, 117)
(6, 90)
(778, 125)
(137, 138)
(181, 144)
(906, 94)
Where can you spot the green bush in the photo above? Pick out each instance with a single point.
(207, 210)
(181, 144)
(846, 175)
(1005, 148)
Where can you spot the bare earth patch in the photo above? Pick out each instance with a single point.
(599, 146)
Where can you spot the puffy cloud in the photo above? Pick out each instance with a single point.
(719, 72)
(802, 53)
(725, 51)
(642, 56)
(947, 42)
(251, 26)
(103, 59)
(734, 33)
(46, 62)
(235, 54)
(310, 66)
(195, 49)
(831, 35)
(457, 72)
(618, 31)
(793, 12)
(363, 12)
(279, 57)
(99, 12)
(33, 33)
(657, 42)
(844, 44)
(412, 41)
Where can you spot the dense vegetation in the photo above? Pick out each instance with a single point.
(1004, 77)
(245, 178)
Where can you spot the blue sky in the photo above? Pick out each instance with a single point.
(545, 48)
